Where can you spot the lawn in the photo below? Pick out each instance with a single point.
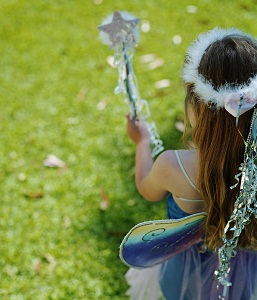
(61, 227)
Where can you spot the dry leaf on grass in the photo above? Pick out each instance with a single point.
(101, 105)
(98, 2)
(105, 202)
(32, 195)
(37, 266)
(52, 263)
(161, 84)
(191, 9)
(156, 63)
(147, 58)
(82, 94)
(38, 263)
(52, 161)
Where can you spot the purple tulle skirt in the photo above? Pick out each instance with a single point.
(190, 276)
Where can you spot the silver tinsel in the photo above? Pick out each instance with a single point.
(245, 205)
(127, 84)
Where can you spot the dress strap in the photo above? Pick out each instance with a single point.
(185, 173)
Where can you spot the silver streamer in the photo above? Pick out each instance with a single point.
(245, 205)
(121, 36)
(127, 84)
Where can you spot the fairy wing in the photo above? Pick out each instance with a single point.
(152, 242)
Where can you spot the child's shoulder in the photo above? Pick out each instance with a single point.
(171, 157)
(172, 161)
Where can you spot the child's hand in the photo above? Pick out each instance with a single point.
(137, 130)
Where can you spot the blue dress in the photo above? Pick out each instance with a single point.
(190, 274)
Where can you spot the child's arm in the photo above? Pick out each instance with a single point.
(148, 173)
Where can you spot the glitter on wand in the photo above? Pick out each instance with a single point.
(120, 32)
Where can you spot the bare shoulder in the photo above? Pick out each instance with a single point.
(167, 165)
(171, 173)
(169, 159)
(166, 157)
(189, 160)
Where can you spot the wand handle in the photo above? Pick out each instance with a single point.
(128, 83)
(120, 34)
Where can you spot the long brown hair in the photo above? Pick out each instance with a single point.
(219, 142)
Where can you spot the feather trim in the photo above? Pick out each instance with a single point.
(204, 88)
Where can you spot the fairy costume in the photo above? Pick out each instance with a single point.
(190, 274)
(195, 279)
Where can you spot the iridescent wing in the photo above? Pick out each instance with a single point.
(152, 242)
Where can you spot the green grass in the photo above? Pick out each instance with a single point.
(56, 242)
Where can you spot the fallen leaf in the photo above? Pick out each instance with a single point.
(82, 93)
(101, 105)
(34, 195)
(191, 9)
(37, 266)
(156, 63)
(164, 83)
(11, 270)
(52, 263)
(53, 161)
(147, 58)
(105, 202)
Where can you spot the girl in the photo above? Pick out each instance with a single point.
(220, 74)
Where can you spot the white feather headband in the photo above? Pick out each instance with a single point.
(236, 99)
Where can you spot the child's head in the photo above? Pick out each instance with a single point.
(226, 66)
(219, 64)
(220, 74)
(233, 59)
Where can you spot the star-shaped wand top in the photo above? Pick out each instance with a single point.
(120, 30)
